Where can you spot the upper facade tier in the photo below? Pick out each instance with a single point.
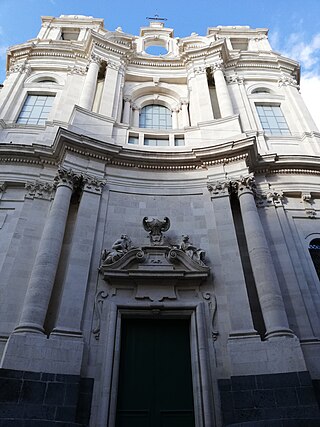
(154, 91)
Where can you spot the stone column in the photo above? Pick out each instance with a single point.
(185, 113)
(136, 116)
(223, 95)
(11, 91)
(126, 110)
(76, 279)
(241, 320)
(110, 90)
(265, 276)
(201, 88)
(45, 266)
(175, 113)
(90, 83)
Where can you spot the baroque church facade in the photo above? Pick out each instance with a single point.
(159, 231)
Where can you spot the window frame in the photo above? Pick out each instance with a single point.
(158, 117)
(268, 130)
(23, 104)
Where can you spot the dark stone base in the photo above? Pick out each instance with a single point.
(278, 400)
(34, 399)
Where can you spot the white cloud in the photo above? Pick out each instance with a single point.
(307, 53)
(310, 91)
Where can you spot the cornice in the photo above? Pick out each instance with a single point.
(192, 158)
(273, 164)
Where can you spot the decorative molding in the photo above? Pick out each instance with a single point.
(40, 190)
(92, 184)
(219, 189)
(308, 201)
(199, 70)
(68, 178)
(235, 79)
(76, 69)
(98, 305)
(286, 80)
(95, 58)
(243, 185)
(113, 65)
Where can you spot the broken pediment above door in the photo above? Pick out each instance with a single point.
(157, 264)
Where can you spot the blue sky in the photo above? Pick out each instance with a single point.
(294, 25)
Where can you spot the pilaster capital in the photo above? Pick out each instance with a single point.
(235, 79)
(308, 201)
(39, 190)
(113, 65)
(219, 188)
(92, 184)
(20, 68)
(245, 184)
(286, 80)
(275, 197)
(76, 69)
(199, 70)
(68, 178)
(176, 109)
(184, 101)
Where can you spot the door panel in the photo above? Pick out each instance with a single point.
(155, 385)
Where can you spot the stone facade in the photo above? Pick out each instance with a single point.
(108, 213)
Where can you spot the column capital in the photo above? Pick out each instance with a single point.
(135, 107)
(175, 109)
(68, 178)
(219, 188)
(40, 190)
(96, 59)
(92, 184)
(184, 101)
(244, 184)
(127, 99)
(216, 66)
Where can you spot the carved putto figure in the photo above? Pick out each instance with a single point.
(193, 252)
(155, 227)
(119, 248)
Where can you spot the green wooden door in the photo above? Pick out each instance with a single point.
(155, 386)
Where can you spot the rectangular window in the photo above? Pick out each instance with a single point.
(272, 120)
(179, 141)
(156, 142)
(133, 140)
(70, 33)
(36, 109)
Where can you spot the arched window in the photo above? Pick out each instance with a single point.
(314, 249)
(155, 117)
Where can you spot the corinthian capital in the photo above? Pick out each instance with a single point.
(67, 177)
(218, 65)
(244, 184)
(95, 58)
(93, 184)
(219, 189)
(39, 190)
